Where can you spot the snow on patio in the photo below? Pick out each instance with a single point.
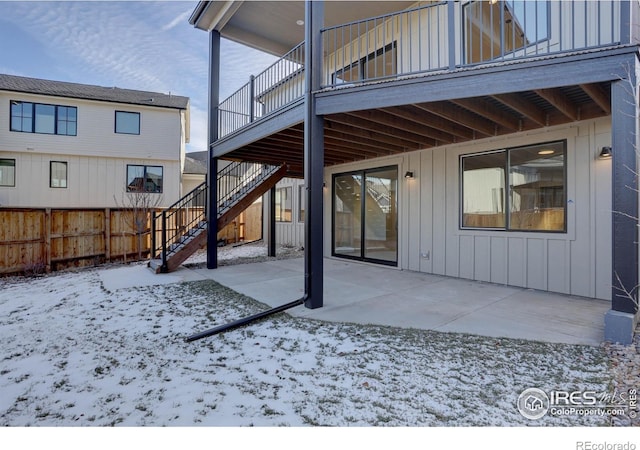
(76, 353)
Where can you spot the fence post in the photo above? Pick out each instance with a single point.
(107, 234)
(47, 238)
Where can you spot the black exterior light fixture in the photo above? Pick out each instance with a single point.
(605, 153)
(408, 175)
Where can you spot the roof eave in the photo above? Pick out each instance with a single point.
(209, 16)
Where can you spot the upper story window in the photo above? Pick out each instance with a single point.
(378, 64)
(7, 172)
(127, 122)
(144, 178)
(517, 189)
(496, 28)
(28, 117)
(67, 120)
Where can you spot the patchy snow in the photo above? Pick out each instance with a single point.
(250, 252)
(85, 349)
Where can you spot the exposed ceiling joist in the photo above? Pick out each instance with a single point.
(527, 109)
(560, 101)
(599, 96)
(404, 139)
(461, 116)
(353, 134)
(421, 134)
(487, 110)
(417, 115)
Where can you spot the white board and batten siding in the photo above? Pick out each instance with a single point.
(96, 157)
(288, 233)
(577, 262)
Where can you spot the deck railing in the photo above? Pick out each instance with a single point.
(279, 85)
(439, 36)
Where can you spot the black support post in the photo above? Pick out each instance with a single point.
(212, 173)
(313, 157)
(621, 320)
(271, 224)
(625, 195)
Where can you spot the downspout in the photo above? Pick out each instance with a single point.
(314, 178)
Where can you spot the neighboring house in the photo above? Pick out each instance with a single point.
(460, 138)
(194, 172)
(75, 145)
(289, 212)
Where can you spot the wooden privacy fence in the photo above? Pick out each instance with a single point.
(41, 240)
(48, 239)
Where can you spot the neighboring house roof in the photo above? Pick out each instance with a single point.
(194, 166)
(89, 92)
(202, 156)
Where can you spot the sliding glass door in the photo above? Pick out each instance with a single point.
(365, 216)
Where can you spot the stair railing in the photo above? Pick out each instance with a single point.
(177, 222)
(237, 179)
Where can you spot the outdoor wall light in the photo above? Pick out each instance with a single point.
(605, 153)
(408, 175)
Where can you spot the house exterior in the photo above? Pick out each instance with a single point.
(74, 145)
(486, 140)
(194, 172)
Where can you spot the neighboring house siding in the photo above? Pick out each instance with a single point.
(160, 131)
(577, 262)
(92, 182)
(190, 181)
(97, 156)
(288, 233)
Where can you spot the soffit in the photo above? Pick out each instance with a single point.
(272, 26)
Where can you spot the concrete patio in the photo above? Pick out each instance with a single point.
(368, 294)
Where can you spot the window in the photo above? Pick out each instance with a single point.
(29, 117)
(496, 28)
(127, 122)
(302, 198)
(58, 174)
(7, 172)
(381, 63)
(22, 116)
(365, 215)
(535, 195)
(67, 120)
(283, 204)
(45, 119)
(144, 179)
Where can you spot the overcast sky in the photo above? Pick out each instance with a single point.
(129, 44)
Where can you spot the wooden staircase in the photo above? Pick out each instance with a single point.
(183, 226)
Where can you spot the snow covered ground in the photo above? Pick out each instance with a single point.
(103, 347)
(242, 253)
